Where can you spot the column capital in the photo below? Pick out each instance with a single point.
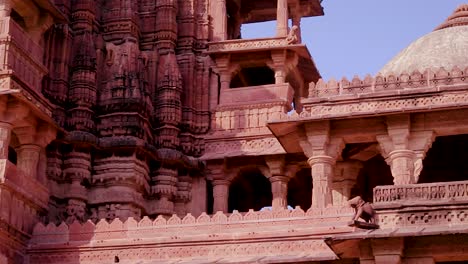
(276, 164)
(401, 153)
(217, 182)
(321, 159)
(278, 178)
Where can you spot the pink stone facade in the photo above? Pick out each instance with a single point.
(137, 131)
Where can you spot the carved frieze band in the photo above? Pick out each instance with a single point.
(247, 44)
(346, 108)
(259, 146)
(205, 252)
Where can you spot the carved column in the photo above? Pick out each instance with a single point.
(282, 18)
(279, 66)
(279, 178)
(220, 195)
(404, 149)
(322, 175)
(279, 190)
(402, 166)
(5, 135)
(296, 20)
(322, 151)
(220, 21)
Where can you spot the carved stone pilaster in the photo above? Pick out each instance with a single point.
(165, 189)
(183, 195)
(28, 159)
(220, 22)
(5, 135)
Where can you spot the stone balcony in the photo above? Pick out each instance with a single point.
(257, 94)
(21, 55)
(418, 205)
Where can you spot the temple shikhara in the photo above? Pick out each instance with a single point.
(150, 131)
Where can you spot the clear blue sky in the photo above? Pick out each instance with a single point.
(356, 37)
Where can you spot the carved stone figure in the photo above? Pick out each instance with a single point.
(362, 209)
(292, 35)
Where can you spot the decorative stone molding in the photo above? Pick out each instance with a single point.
(423, 194)
(280, 227)
(247, 44)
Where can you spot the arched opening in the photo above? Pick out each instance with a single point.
(300, 189)
(253, 76)
(446, 160)
(250, 190)
(375, 172)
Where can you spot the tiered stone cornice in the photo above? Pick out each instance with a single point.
(458, 18)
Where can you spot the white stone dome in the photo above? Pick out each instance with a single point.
(446, 47)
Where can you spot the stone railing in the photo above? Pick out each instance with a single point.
(390, 82)
(422, 205)
(247, 44)
(263, 234)
(422, 193)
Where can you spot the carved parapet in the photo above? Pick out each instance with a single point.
(380, 83)
(247, 44)
(276, 226)
(422, 194)
(430, 204)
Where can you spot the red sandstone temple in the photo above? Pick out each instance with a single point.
(150, 131)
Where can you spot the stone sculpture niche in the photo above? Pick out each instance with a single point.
(362, 210)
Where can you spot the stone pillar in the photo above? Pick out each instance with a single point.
(279, 66)
(404, 149)
(296, 21)
(220, 195)
(225, 79)
(220, 21)
(282, 18)
(322, 151)
(279, 190)
(28, 158)
(322, 175)
(5, 135)
(388, 250)
(402, 166)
